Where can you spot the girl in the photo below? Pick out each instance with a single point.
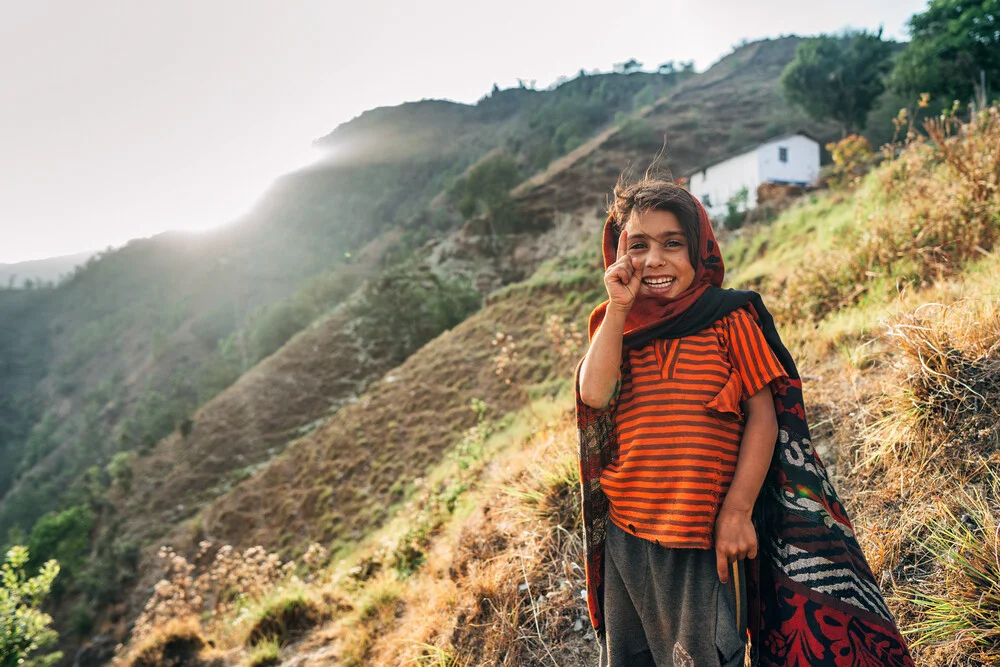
(695, 456)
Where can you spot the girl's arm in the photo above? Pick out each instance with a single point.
(735, 536)
(599, 371)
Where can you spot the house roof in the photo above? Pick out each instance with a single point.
(729, 156)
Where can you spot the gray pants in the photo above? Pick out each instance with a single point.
(666, 607)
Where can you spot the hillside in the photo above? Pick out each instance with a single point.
(136, 359)
(214, 386)
(482, 563)
(144, 335)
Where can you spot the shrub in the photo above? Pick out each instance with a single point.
(407, 308)
(933, 207)
(189, 590)
(852, 158)
(24, 628)
(487, 188)
(736, 209)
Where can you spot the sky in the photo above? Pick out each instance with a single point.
(122, 119)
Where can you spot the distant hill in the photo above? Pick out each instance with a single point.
(42, 270)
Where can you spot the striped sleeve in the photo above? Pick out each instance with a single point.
(750, 354)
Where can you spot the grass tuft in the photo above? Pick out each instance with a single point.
(284, 617)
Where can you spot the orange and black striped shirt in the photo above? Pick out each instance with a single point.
(680, 422)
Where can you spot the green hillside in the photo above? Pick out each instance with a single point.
(141, 336)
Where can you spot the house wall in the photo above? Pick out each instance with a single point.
(802, 166)
(723, 180)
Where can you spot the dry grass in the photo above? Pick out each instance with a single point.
(381, 605)
(263, 654)
(227, 601)
(955, 603)
(925, 454)
(505, 590)
(940, 409)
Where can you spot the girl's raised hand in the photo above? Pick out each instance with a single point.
(622, 279)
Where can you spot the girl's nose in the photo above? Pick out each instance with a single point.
(656, 258)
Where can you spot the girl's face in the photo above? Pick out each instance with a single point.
(657, 239)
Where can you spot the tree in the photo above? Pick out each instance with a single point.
(630, 65)
(488, 186)
(838, 78)
(24, 628)
(668, 67)
(64, 536)
(403, 310)
(953, 44)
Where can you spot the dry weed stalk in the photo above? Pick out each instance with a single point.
(216, 590)
(567, 339)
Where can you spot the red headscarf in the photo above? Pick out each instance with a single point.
(650, 311)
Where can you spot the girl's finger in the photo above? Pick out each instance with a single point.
(722, 566)
(622, 245)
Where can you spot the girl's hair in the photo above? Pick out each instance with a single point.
(657, 194)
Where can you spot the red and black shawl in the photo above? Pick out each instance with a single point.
(814, 601)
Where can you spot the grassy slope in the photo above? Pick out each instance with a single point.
(134, 335)
(857, 361)
(500, 578)
(305, 495)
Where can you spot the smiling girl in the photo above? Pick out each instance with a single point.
(691, 431)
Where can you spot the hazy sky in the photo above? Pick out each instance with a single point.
(122, 119)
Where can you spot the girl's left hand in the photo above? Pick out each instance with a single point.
(735, 538)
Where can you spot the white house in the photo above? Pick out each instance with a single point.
(793, 158)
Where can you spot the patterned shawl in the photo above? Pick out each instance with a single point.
(813, 600)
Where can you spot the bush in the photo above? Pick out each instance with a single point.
(736, 209)
(639, 134)
(852, 158)
(487, 188)
(63, 536)
(24, 629)
(119, 469)
(408, 308)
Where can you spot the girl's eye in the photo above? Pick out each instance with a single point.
(637, 246)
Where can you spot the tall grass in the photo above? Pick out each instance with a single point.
(926, 479)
